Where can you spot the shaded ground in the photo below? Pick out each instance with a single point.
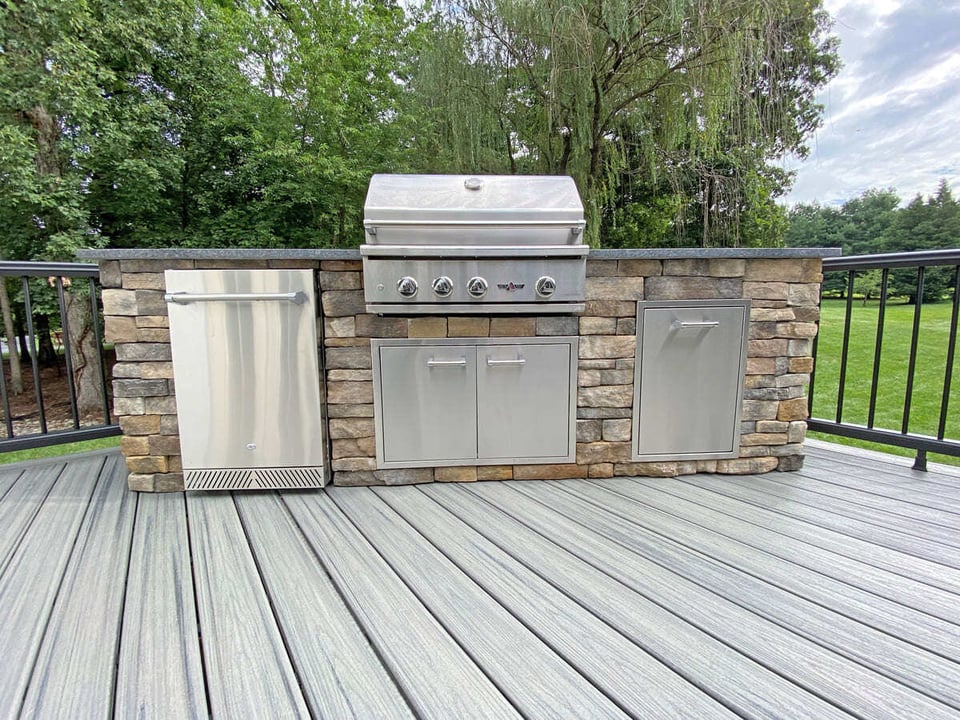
(56, 400)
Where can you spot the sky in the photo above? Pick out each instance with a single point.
(892, 117)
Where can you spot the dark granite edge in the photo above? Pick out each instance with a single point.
(708, 253)
(354, 254)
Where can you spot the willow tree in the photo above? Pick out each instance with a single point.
(695, 93)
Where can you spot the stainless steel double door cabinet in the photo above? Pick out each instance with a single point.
(688, 389)
(475, 401)
(246, 369)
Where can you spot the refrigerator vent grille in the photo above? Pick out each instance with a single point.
(253, 479)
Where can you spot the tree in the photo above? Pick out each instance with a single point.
(699, 95)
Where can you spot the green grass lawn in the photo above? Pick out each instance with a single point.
(894, 362)
(57, 450)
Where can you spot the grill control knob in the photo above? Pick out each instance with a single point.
(477, 287)
(443, 286)
(407, 286)
(546, 286)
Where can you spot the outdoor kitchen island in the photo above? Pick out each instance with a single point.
(782, 286)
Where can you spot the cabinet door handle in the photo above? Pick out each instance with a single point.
(462, 362)
(518, 361)
(686, 324)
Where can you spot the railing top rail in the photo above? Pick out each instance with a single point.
(47, 269)
(950, 256)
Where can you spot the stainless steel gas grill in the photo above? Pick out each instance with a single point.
(463, 244)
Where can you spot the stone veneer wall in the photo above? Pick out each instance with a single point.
(783, 322)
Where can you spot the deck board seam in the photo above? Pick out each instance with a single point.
(879, 485)
(205, 673)
(123, 604)
(5, 561)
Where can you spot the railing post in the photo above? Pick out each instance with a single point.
(920, 463)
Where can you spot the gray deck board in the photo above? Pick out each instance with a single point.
(831, 592)
(160, 618)
(638, 682)
(853, 687)
(249, 673)
(341, 676)
(74, 672)
(32, 577)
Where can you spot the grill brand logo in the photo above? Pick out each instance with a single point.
(510, 287)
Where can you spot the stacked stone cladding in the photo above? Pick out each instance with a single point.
(784, 294)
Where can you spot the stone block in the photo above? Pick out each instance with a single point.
(602, 452)
(495, 472)
(128, 370)
(350, 393)
(760, 410)
(161, 405)
(143, 352)
(609, 308)
(350, 428)
(688, 267)
(762, 330)
(381, 327)
(350, 411)
(355, 479)
(549, 472)
(603, 413)
(427, 327)
(616, 377)
(554, 326)
(340, 303)
(747, 466)
(672, 287)
(293, 264)
(803, 294)
(135, 445)
(766, 348)
(793, 379)
(601, 268)
(794, 409)
(175, 463)
(350, 375)
(761, 314)
(139, 482)
(140, 424)
(727, 267)
(143, 281)
(146, 464)
(139, 388)
(348, 358)
(455, 474)
(468, 327)
(129, 405)
(110, 275)
(626, 326)
(614, 288)
(120, 329)
(169, 425)
(778, 270)
(588, 378)
(513, 327)
(168, 482)
(164, 445)
(807, 314)
(647, 469)
(797, 431)
(340, 327)
(640, 268)
(600, 470)
(605, 396)
(796, 330)
(589, 430)
(339, 280)
(790, 463)
(774, 393)
(617, 430)
(163, 369)
(706, 466)
(344, 342)
(342, 265)
(352, 464)
(761, 365)
(765, 290)
(405, 476)
(598, 326)
(752, 382)
(150, 302)
(626, 363)
(354, 447)
(153, 335)
(801, 365)
(152, 266)
(145, 321)
(119, 302)
(607, 346)
(800, 348)
(772, 426)
(597, 364)
(748, 426)
(763, 439)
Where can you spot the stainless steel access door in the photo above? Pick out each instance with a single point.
(247, 378)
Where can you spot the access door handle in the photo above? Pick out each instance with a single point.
(183, 298)
(703, 324)
(462, 362)
(518, 361)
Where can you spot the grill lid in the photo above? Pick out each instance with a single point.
(424, 209)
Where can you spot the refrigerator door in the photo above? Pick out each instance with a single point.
(247, 377)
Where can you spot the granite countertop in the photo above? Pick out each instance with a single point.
(354, 253)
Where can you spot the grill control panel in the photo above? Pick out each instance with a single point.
(407, 286)
(477, 286)
(442, 286)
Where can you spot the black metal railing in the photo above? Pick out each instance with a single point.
(907, 277)
(38, 333)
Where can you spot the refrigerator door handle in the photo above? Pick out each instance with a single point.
(182, 298)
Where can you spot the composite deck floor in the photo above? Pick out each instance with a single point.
(831, 592)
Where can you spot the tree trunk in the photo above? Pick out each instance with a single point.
(84, 353)
(47, 356)
(16, 375)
